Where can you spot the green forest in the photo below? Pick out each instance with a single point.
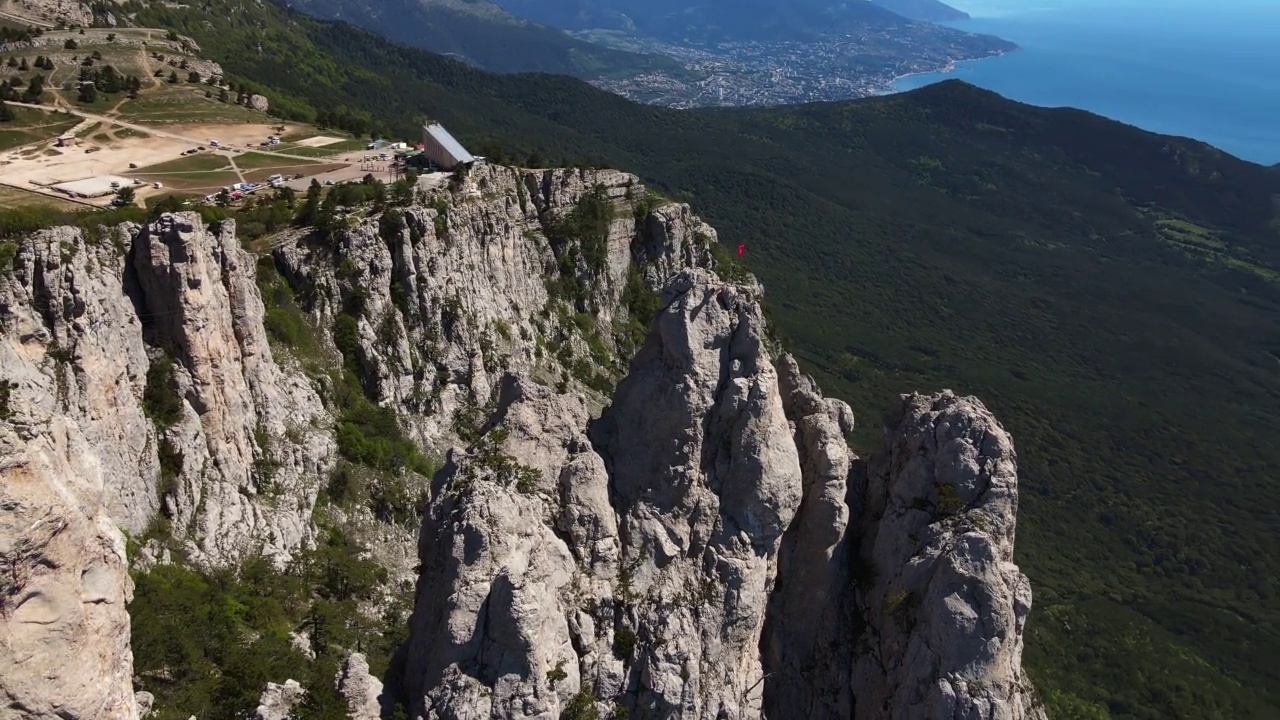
(1112, 295)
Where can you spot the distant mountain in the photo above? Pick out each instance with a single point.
(682, 21)
(487, 36)
(928, 10)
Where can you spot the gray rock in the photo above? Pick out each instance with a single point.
(145, 702)
(947, 610)
(63, 583)
(701, 544)
(278, 702)
(74, 355)
(806, 638)
(240, 409)
(302, 642)
(362, 691)
(258, 102)
(695, 556)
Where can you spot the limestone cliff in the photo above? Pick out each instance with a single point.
(689, 554)
(644, 508)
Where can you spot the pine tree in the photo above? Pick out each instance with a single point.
(173, 77)
(23, 65)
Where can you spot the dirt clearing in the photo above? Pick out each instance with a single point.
(318, 141)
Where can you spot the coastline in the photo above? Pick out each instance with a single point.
(890, 87)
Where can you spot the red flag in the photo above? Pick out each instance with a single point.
(741, 249)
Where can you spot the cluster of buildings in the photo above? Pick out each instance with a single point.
(438, 150)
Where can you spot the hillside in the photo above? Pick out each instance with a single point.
(713, 20)
(485, 35)
(927, 10)
(1111, 292)
(717, 21)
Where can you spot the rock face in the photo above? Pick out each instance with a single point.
(87, 322)
(462, 288)
(257, 102)
(946, 612)
(362, 691)
(279, 701)
(689, 553)
(252, 441)
(84, 321)
(661, 521)
(64, 629)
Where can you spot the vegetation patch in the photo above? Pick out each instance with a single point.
(28, 125)
(580, 241)
(160, 399)
(206, 644)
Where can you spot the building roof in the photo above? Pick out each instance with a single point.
(451, 146)
(95, 186)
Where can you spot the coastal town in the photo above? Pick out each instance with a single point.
(777, 73)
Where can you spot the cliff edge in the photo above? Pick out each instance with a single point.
(642, 507)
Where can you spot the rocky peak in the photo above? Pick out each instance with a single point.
(947, 608)
(245, 431)
(645, 509)
(694, 558)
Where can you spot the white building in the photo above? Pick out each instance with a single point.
(442, 149)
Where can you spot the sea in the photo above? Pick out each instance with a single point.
(1206, 69)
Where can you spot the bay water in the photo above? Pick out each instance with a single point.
(1206, 69)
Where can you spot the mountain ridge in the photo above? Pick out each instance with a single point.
(543, 533)
(485, 35)
(927, 10)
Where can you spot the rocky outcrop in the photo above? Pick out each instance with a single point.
(73, 356)
(362, 691)
(91, 328)
(64, 629)
(48, 13)
(678, 530)
(252, 441)
(257, 102)
(694, 552)
(474, 282)
(705, 478)
(278, 702)
(947, 608)
(811, 614)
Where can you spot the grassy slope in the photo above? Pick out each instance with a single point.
(951, 238)
(29, 125)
